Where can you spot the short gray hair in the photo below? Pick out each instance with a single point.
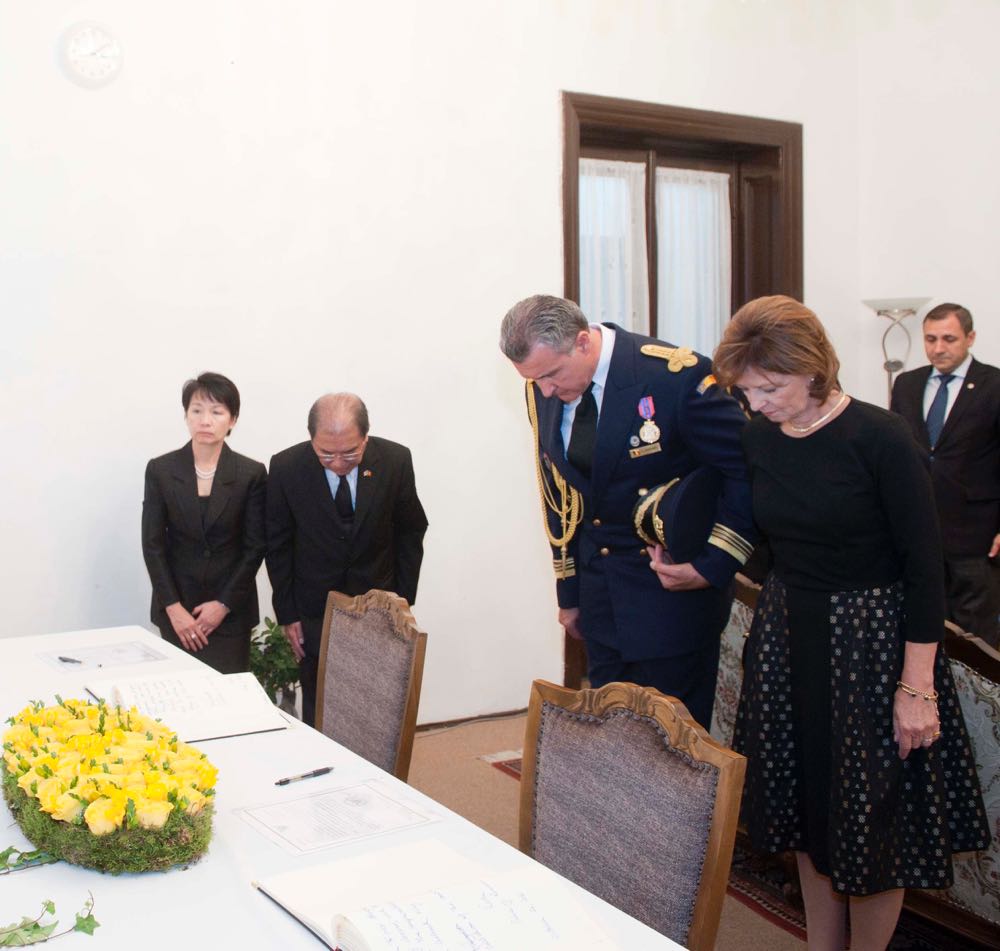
(550, 321)
(334, 408)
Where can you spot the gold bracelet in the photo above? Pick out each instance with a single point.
(913, 692)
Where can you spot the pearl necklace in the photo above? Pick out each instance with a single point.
(204, 475)
(822, 419)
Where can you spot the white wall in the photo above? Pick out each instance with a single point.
(326, 195)
(929, 194)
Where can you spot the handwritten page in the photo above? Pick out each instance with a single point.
(102, 655)
(333, 817)
(199, 705)
(527, 908)
(426, 896)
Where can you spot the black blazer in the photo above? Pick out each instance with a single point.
(965, 464)
(192, 564)
(310, 552)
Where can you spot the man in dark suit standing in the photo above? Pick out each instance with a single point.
(342, 515)
(615, 415)
(953, 408)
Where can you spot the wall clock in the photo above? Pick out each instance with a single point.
(89, 55)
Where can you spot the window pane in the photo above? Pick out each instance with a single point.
(613, 274)
(694, 250)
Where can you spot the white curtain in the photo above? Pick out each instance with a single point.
(694, 250)
(613, 273)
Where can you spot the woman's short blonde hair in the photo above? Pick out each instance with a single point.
(778, 334)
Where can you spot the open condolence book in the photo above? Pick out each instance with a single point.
(424, 896)
(198, 704)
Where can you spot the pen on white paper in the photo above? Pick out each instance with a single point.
(333, 817)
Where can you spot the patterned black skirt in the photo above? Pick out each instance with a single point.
(823, 774)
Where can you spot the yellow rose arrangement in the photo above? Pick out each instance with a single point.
(107, 787)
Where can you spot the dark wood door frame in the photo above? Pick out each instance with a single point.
(601, 121)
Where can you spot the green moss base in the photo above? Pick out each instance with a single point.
(182, 840)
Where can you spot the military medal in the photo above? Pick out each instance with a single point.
(649, 432)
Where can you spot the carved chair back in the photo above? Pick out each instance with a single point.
(625, 794)
(371, 665)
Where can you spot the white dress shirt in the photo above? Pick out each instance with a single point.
(352, 483)
(954, 387)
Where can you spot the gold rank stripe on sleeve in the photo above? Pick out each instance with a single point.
(677, 357)
(706, 383)
(730, 542)
(558, 497)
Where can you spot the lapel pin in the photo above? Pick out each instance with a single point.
(970, 386)
(367, 474)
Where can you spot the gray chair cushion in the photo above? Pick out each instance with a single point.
(622, 814)
(367, 681)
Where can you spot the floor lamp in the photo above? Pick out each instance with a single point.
(896, 310)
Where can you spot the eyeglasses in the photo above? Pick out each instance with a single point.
(349, 456)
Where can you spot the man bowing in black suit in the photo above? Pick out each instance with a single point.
(342, 515)
(953, 408)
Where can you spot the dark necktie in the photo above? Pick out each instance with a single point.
(935, 415)
(583, 435)
(342, 499)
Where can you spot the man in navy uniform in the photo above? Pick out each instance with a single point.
(953, 408)
(616, 414)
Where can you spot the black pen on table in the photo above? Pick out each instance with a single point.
(70, 660)
(322, 771)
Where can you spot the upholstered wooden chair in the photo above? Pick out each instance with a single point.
(371, 664)
(971, 907)
(625, 794)
(730, 677)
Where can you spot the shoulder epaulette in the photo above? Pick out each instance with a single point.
(677, 357)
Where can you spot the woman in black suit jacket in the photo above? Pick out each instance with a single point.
(203, 532)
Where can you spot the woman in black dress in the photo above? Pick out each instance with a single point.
(858, 757)
(203, 532)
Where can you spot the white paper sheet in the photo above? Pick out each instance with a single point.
(528, 908)
(425, 896)
(101, 656)
(333, 817)
(198, 705)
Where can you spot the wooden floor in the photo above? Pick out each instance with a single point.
(447, 767)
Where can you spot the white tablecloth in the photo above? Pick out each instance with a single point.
(212, 903)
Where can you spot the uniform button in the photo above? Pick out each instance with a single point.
(605, 551)
(597, 523)
(643, 491)
(207, 553)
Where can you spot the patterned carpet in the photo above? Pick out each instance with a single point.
(762, 885)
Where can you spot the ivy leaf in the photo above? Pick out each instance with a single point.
(13, 859)
(27, 931)
(86, 923)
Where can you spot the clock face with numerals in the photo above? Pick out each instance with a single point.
(89, 55)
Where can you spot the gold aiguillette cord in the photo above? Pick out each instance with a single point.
(568, 507)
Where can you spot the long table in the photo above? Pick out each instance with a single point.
(212, 903)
